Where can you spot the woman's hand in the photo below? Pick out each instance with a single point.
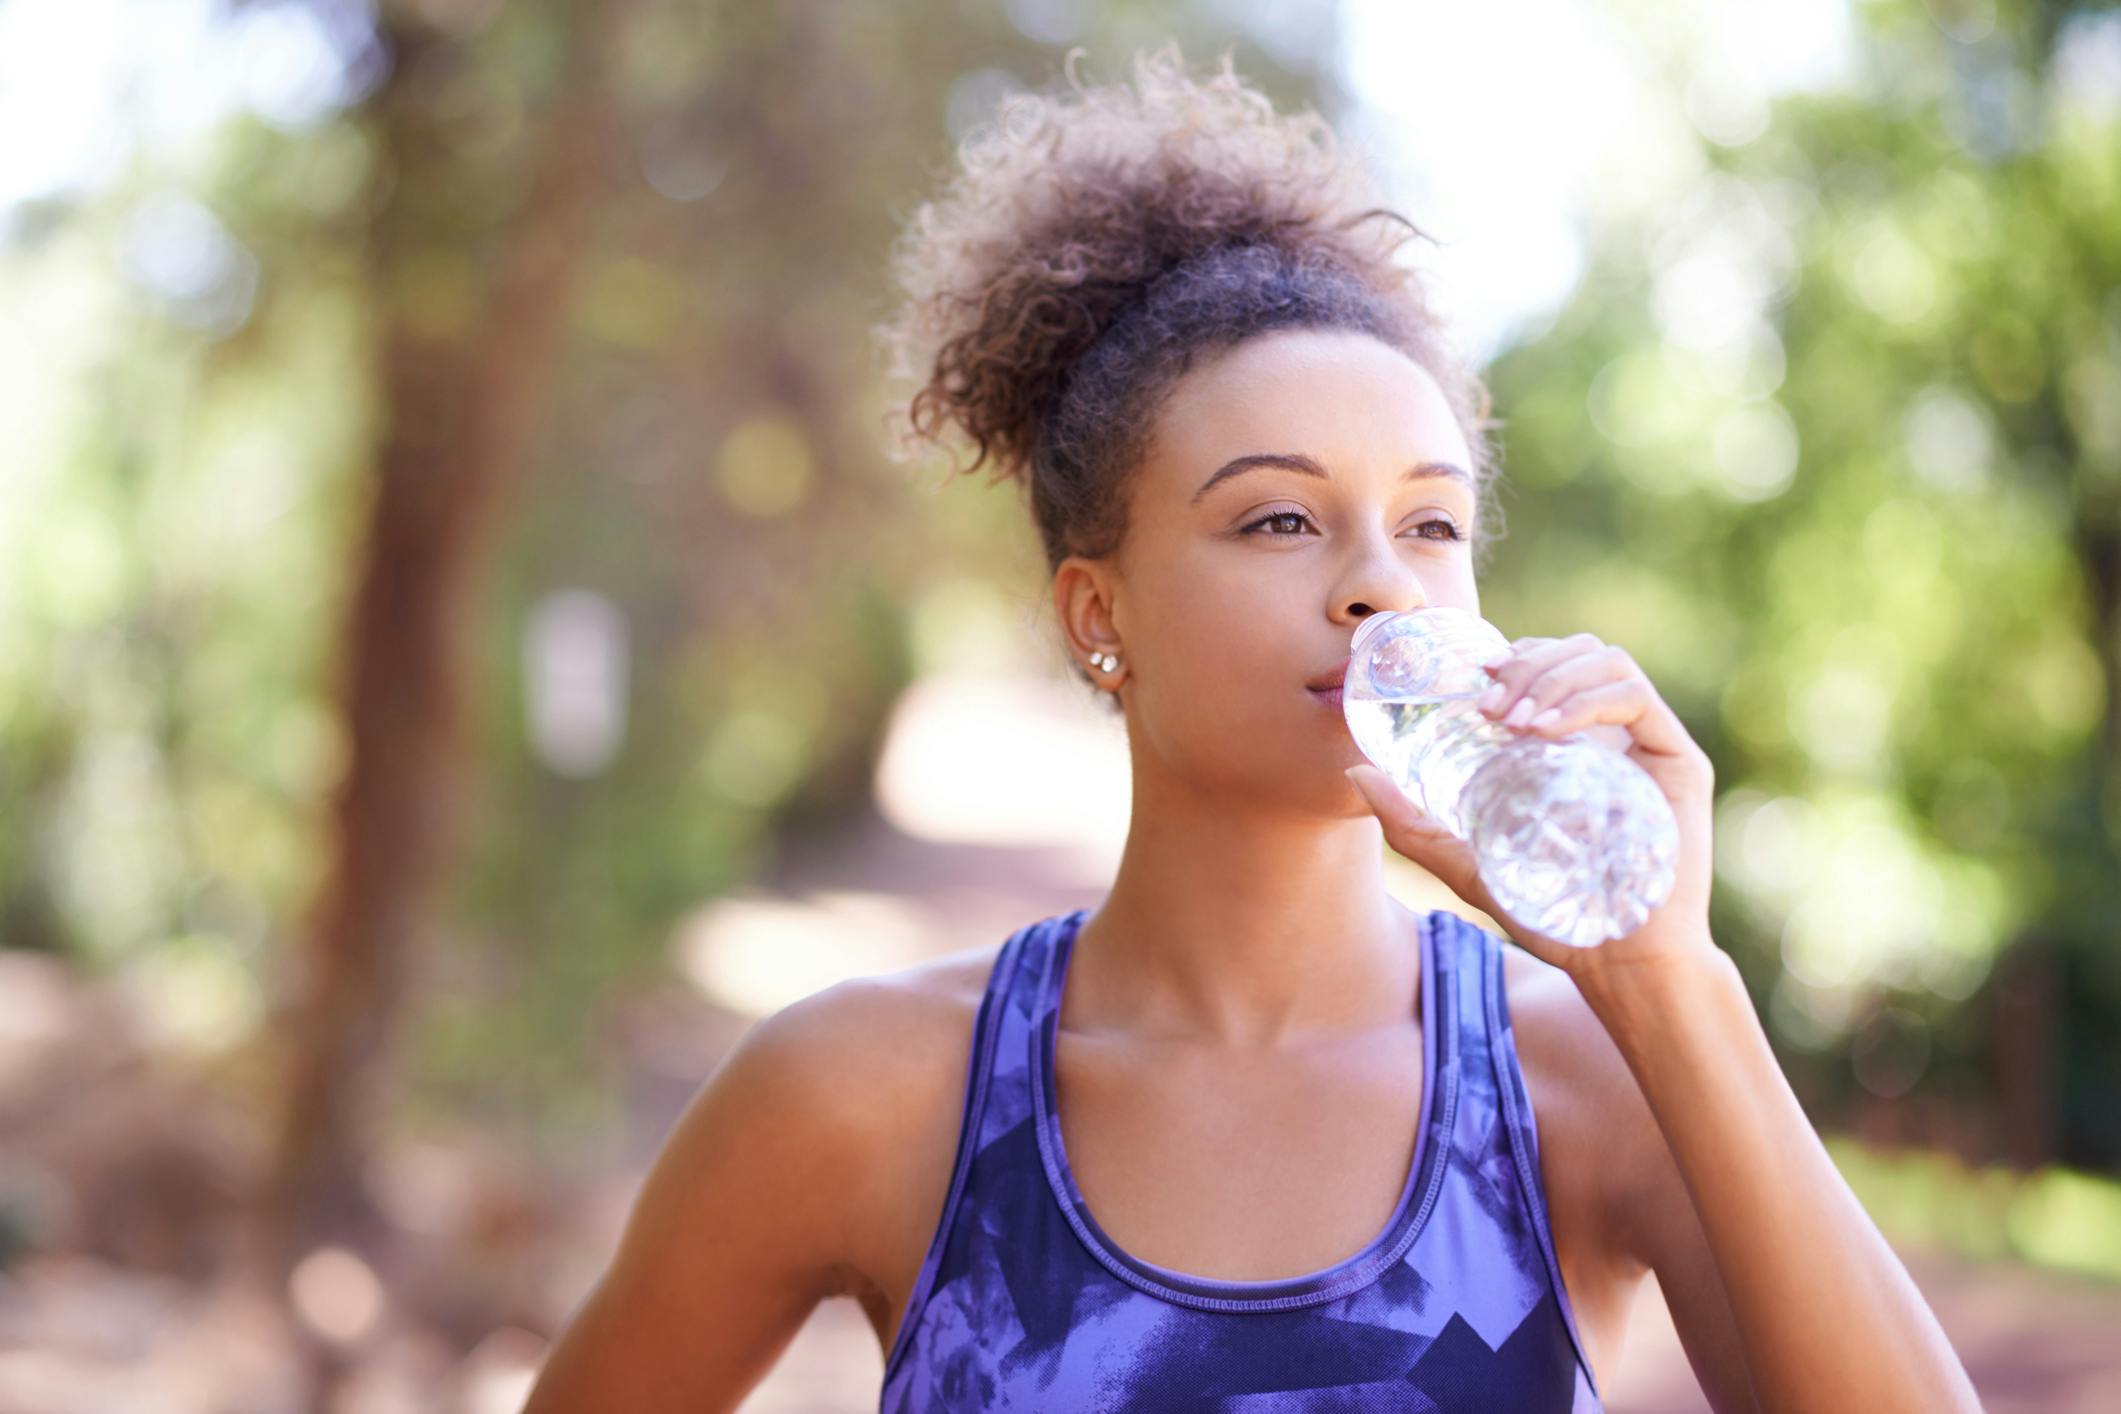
(1553, 687)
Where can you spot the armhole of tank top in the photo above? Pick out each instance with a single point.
(978, 1064)
(1523, 1128)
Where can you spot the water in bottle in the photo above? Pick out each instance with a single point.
(1572, 838)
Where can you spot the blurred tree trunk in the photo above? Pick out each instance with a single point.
(2027, 1037)
(462, 407)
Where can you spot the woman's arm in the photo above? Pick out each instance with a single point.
(1826, 1313)
(739, 1231)
(1826, 1316)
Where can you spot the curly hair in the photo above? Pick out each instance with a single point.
(1091, 245)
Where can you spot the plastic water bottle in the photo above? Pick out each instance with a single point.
(1572, 838)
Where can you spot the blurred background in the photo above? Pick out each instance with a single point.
(465, 655)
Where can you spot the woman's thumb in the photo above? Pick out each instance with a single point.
(1417, 836)
(1394, 808)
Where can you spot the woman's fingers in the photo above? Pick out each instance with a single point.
(1628, 702)
(1535, 668)
(1575, 683)
(1580, 685)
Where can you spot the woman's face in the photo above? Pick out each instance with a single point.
(1244, 575)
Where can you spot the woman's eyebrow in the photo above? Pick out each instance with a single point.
(1297, 461)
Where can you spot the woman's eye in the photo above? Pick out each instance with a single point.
(1297, 516)
(1450, 528)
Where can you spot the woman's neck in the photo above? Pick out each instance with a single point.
(1244, 930)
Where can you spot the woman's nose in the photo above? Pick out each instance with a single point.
(1379, 580)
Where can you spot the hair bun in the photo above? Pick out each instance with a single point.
(1070, 211)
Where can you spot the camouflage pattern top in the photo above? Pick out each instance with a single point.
(1023, 1303)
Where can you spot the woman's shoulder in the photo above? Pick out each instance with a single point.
(883, 1055)
(897, 1009)
(800, 1170)
(883, 1058)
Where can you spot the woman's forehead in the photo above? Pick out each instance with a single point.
(1343, 400)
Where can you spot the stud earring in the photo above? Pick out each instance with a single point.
(1104, 662)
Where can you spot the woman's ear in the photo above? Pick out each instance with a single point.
(1083, 606)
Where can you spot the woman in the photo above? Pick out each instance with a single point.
(1339, 1155)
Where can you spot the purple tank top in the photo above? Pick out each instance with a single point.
(1023, 1302)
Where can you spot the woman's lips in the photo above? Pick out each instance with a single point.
(1332, 679)
(1326, 688)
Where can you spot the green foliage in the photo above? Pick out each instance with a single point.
(186, 503)
(1855, 436)
(1833, 446)
(2054, 1217)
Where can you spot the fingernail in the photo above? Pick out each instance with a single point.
(1547, 718)
(1492, 698)
(1518, 714)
